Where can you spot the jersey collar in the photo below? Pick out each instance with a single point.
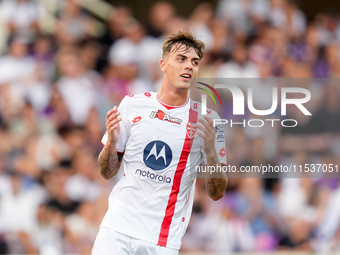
(170, 107)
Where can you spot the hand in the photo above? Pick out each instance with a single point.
(207, 132)
(112, 125)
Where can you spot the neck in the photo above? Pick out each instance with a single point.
(173, 98)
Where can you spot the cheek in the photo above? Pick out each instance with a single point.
(173, 69)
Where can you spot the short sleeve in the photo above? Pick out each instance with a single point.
(124, 128)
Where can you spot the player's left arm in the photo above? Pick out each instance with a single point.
(217, 181)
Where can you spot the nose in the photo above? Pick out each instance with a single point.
(188, 65)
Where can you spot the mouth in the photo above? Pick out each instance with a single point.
(186, 76)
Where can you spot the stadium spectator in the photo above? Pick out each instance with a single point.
(75, 80)
(73, 24)
(160, 14)
(239, 66)
(21, 17)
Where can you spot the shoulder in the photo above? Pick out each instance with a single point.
(137, 99)
(197, 107)
(145, 96)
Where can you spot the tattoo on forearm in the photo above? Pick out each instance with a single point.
(109, 163)
(216, 186)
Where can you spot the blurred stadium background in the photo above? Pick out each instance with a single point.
(64, 63)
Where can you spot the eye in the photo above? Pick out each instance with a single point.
(181, 59)
(195, 63)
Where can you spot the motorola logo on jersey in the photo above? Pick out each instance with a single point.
(152, 176)
(157, 155)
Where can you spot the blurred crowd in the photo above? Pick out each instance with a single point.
(56, 87)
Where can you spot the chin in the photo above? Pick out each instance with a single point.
(184, 86)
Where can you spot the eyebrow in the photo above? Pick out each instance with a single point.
(183, 56)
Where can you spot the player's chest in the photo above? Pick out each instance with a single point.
(156, 123)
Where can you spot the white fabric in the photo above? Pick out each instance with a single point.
(292, 199)
(5, 184)
(279, 19)
(18, 211)
(39, 94)
(79, 96)
(15, 69)
(146, 54)
(76, 184)
(204, 33)
(47, 238)
(138, 203)
(234, 70)
(110, 242)
(47, 146)
(331, 222)
(125, 52)
(138, 86)
(18, 73)
(21, 14)
(239, 12)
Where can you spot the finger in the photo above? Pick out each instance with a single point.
(113, 116)
(201, 134)
(114, 127)
(112, 123)
(207, 133)
(113, 110)
(208, 124)
(204, 123)
(108, 114)
(209, 120)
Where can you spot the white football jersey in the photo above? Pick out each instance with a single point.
(153, 200)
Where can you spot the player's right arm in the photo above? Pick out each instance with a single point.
(109, 160)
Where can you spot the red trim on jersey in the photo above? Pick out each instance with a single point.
(170, 208)
(169, 107)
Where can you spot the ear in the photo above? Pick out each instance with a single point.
(163, 65)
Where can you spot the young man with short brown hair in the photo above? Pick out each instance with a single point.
(156, 139)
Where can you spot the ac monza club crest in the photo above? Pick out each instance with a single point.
(191, 129)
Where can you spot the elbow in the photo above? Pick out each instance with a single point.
(105, 176)
(218, 191)
(217, 196)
